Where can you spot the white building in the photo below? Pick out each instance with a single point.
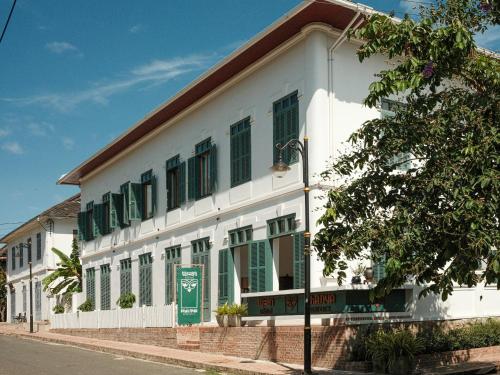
(191, 182)
(55, 227)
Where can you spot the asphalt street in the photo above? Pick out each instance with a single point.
(25, 357)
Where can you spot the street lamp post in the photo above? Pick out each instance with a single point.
(281, 166)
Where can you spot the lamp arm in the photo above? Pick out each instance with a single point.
(294, 144)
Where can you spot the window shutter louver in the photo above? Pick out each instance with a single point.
(116, 211)
(260, 266)
(97, 220)
(154, 194)
(226, 276)
(213, 168)
(298, 260)
(192, 185)
(105, 287)
(125, 199)
(82, 235)
(135, 201)
(182, 183)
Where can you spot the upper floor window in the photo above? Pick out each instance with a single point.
(28, 249)
(241, 156)
(38, 246)
(124, 193)
(21, 255)
(202, 170)
(401, 161)
(286, 126)
(106, 211)
(13, 256)
(148, 192)
(89, 221)
(176, 182)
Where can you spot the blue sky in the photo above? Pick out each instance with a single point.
(76, 74)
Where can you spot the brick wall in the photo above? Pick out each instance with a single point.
(489, 354)
(151, 336)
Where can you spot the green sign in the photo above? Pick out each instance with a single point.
(189, 291)
(327, 302)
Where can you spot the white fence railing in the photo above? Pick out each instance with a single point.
(140, 317)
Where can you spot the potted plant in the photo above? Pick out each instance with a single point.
(236, 311)
(221, 316)
(126, 301)
(358, 271)
(393, 352)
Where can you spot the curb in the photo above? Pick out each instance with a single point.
(147, 357)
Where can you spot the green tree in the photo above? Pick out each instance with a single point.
(3, 295)
(67, 278)
(437, 221)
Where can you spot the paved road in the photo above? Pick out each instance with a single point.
(26, 357)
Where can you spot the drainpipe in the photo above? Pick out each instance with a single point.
(360, 17)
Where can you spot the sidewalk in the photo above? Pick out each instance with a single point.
(183, 358)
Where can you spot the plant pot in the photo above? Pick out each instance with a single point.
(368, 274)
(356, 280)
(222, 320)
(234, 320)
(401, 366)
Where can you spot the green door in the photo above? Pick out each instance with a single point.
(260, 266)
(226, 276)
(200, 255)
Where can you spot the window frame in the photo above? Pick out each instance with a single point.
(283, 108)
(147, 194)
(241, 161)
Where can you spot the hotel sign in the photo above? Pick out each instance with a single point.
(189, 289)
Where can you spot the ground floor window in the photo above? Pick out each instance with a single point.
(145, 279)
(105, 287)
(125, 276)
(172, 257)
(90, 285)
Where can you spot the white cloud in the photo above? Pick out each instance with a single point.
(61, 47)
(490, 38)
(135, 29)
(40, 129)
(4, 132)
(13, 147)
(68, 143)
(153, 73)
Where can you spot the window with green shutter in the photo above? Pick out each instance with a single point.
(240, 236)
(145, 279)
(402, 160)
(89, 221)
(125, 205)
(241, 152)
(106, 213)
(200, 255)
(379, 269)
(90, 285)
(98, 220)
(135, 201)
(298, 260)
(148, 195)
(226, 276)
(176, 182)
(105, 287)
(260, 266)
(172, 257)
(21, 255)
(13, 258)
(281, 226)
(38, 246)
(202, 170)
(125, 276)
(286, 126)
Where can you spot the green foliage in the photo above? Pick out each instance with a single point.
(233, 309)
(126, 301)
(438, 220)
(86, 306)
(58, 309)
(473, 335)
(67, 278)
(3, 294)
(387, 346)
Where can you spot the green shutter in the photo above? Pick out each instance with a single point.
(240, 152)
(182, 183)
(286, 125)
(125, 198)
(145, 280)
(200, 254)
(97, 220)
(90, 284)
(154, 194)
(192, 179)
(298, 260)
(105, 287)
(172, 257)
(82, 227)
(379, 269)
(125, 276)
(135, 201)
(213, 168)
(226, 276)
(116, 211)
(260, 266)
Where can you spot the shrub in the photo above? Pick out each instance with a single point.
(222, 309)
(357, 342)
(58, 309)
(86, 306)
(233, 309)
(126, 301)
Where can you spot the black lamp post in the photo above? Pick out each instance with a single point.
(28, 247)
(281, 166)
